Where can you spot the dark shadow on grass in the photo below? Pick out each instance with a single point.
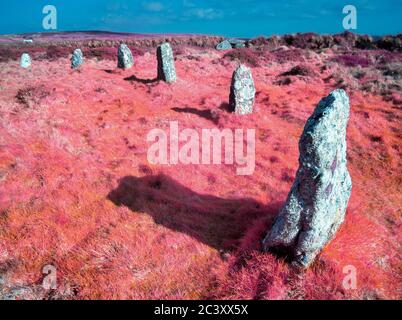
(206, 114)
(133, 78)
(215, 221)
(226, 107)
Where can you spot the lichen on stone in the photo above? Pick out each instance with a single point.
(125, 58)
(317, 202)
(166, 66)
(25, 60)
(242, 91)
(77, 59)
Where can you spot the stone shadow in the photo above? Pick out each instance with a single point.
(206, 114)
(134, 78)
(215, 221)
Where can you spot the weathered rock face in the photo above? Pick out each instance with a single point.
(316, 204)
(125, 58)
(224, 45)
(242, 91)
(166, 68)
(77, 59)
(25, 60)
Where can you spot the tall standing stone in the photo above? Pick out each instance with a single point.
(25, 60)
(166, 68)
(77, 59)
(242, 91)
(316, 204)
(125, 58)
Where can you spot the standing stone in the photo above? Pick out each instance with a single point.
(25, 60)
(242, 91)
(125, 58)
(224, 45)
(77, 59)
(166, 68)
(316, 204)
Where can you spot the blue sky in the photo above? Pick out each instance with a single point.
(242, 18)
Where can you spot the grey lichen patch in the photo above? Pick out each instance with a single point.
(317, 202)
(242, 91)
(125, 58)
(166, 67)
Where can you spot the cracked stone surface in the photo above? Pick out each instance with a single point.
(77, 59)
(125, 58)
(242, 91)
(166, 67)
(317, 202)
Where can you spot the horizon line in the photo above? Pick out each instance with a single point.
(192, 34)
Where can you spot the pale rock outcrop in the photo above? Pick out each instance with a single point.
(224, 45)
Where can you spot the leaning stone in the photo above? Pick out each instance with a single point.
(25, 60)
(224, 45)
(124, 57)
(166, 67)
(316, 204)
(77, 59)
(242, 91)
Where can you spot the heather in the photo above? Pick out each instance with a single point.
(77, 190)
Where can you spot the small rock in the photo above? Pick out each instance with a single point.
(25, 60)
(166, 67)
(77, 59)
(316, 204)
(237, 43)
(224, 45)
(242, 91)
(124, 57)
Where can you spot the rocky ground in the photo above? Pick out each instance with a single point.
(77, 191)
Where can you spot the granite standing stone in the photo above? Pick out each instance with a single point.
(124, 57)
(166, 67)
(316, 204)
(242, 91)
(25, 60)
(77, 59)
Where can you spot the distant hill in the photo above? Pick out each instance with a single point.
(79, 36)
